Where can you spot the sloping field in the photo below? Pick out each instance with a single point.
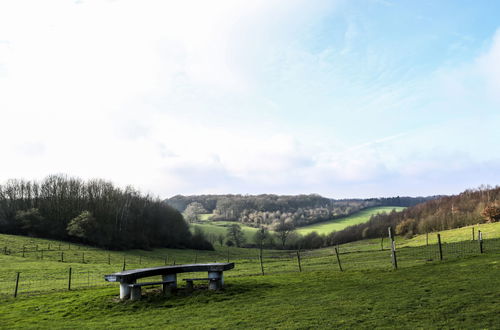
(38, 260)
(464, 234)
(220, 228)
(454, 294)
(327, 227)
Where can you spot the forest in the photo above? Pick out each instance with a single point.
(470, 207)
(269, 210)
(94, 212)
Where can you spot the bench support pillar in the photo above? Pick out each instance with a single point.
(125, 290)
(169, 287)
(218, 283)
(135, 293)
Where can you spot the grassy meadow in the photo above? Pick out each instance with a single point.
(423, 292)
(452, 294)
(362, 216)
(220, 228)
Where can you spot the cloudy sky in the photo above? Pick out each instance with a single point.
(358, 98)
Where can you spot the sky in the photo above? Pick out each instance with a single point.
(359, 98)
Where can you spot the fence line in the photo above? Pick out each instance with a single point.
(286, 262)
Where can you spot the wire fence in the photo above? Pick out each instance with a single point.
(81, 276)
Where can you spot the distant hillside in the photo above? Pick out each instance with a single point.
(443, 213)
(267, 210)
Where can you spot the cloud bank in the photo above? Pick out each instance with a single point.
(236, 97)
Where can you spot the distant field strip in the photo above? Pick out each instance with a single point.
(326, 227)
(220, 228)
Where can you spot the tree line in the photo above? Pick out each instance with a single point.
(94, 212)
(470, 207)
(270, 210)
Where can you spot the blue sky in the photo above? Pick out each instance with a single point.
(342, 98)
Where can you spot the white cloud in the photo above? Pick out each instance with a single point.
(170, 97)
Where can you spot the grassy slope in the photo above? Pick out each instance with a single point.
(35, 270)
(489, 230)
(205, 216)
(339, 224)
(457, 294)
(220, 228)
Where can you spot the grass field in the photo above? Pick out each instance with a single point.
(455, 294)
(205, 216)
(220, 228)
(327, 227)
(42, 258)
(422, 293)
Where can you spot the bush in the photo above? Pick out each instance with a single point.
(407, 227)
(31, 222)
(491, 213)
(313, 241)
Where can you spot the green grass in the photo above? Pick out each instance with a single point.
(220, 228)
(464, 234)
(327, 227)
(453, 294)
(90, 264)
(205, 216)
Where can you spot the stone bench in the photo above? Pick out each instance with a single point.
(128, 278)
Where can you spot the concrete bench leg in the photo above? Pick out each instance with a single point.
(135, 293)
(124, 290)
(219, 280)
(168, 288)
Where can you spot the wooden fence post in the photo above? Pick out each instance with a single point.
(83, 257)
(338, 259)
(41, 257)
(5, 250)
(426, 239)
(17, 285)
(24, 248)
(298, 261)
(393, 249)
(62, 256)
(480, 239)
(440, 247)
(228, 254)
(109, 259)
(261, 261)
(382, 244)
(69, 279)
(123, 263)
(472, 233)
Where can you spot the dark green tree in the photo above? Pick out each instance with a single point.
(31, 221)
(235, 234)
